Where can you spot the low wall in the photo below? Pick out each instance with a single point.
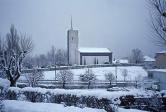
(52, 84)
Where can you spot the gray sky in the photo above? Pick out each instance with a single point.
(120, 25)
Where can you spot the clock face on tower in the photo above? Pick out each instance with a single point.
(72, 39)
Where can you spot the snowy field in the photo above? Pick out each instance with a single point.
(23, 106)
(133, 71)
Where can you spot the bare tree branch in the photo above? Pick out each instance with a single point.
(158, 22)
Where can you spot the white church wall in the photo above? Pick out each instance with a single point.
(90, 60)
(73, 46)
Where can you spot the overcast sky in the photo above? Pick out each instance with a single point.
(120, 25)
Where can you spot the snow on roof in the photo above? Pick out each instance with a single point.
(162, 52)
(147, 58)
(157, 70)
(122, 61)
(93, 50)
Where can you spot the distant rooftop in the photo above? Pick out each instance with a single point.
(123, 61)
(158, 70)
(93, 50)
(147, 58)
(162, 52)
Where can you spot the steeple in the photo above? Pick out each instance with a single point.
(71, 24)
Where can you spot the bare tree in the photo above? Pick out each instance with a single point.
(51, 55)
(28, 62)
(61, 57)
(140, 81)
(37, 61)
(125, 74)
(88, 77)
(12, 68)
(34, 77)
(13, 41)
(26, 43)
(136, 56)
(43, 60)
(158, 22)
(65, 76)
(12, 56)
(110, 77)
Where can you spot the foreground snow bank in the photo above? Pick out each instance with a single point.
(23, 106)
(129, 110)
(4, 84)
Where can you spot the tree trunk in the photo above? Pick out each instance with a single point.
(110, 84)
(63, 86)
(88, 85)
(12, 83)
(125, 81)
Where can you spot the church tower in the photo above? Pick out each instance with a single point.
(72, 45)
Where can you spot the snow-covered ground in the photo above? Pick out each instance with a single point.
(23, 106)
(129, 110)
(133, 71)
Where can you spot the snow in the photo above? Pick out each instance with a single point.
(93, 50)
(4, 83)
(147, 58)
(129, 110)
(97, 93)
(37, 89)
(123, 61)
(157, 70)
(14, 89)
(163, 92)
(133, 72)
(23, 106)
(162, 52)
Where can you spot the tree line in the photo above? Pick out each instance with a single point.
(54, 57)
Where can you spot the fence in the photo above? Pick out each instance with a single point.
(76, 84)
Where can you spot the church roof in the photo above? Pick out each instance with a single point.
(93, 50)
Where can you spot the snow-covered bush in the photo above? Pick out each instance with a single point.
(34, 94)
(34, 77)
(4, 85)
(65, 76)
(13, 93)
(124, 74)
(82, 101)
(140, 81)
(88, 77)
(110, 77)
(138, 99)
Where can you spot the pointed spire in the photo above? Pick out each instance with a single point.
(71, 24)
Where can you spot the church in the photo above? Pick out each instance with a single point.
(83, 55)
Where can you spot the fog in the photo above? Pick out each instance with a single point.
(120, 25)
